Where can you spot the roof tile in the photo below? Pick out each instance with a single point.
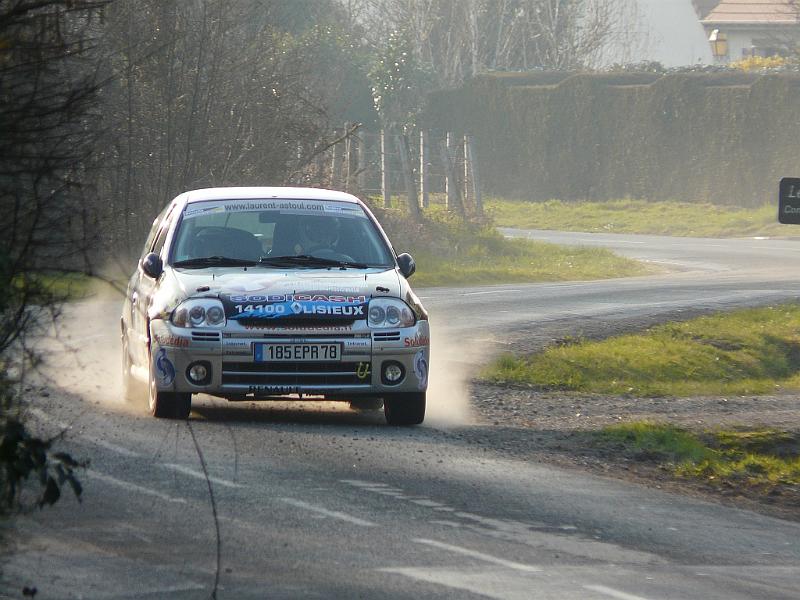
(755, 11)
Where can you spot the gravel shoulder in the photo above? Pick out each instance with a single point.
(558, 427)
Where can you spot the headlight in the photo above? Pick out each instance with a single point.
(389, 312)
(199, 312)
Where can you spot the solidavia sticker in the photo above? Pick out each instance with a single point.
(165, 371)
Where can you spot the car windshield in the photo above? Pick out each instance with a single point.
(279, 234)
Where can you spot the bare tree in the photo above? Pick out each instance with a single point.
(788, 38)
(460, 38)
(208, 93)
(47, 82)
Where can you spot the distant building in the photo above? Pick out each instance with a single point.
(703, 7)
(737, 29)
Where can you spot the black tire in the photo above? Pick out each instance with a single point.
(404, 409)
(366, 404)
(167, 405)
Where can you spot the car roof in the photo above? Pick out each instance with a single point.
(245, 193)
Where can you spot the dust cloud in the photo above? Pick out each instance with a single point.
(83, 355)
(451, 368)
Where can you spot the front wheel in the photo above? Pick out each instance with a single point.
(167, 405)
(404, 409)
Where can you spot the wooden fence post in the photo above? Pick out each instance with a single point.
(467, 180)
(473, 173)
(451, 180)
(385, 193)
(408, 175)
(423, 167)
(448, 176)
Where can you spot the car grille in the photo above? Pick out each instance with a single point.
(305, 373)
(206, 336)
(386, 336)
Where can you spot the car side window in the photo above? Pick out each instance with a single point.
(161, 237)
(153, 231)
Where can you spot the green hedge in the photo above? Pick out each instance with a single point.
(725, 138)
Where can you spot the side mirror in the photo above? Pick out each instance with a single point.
(407, 265)
(152, 265)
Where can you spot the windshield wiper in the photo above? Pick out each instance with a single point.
(307, 260)
(214, 261)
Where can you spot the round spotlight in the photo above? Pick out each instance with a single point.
(199, 373)
(393, 373)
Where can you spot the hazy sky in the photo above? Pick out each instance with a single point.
(675, 34)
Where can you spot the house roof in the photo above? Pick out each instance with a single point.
(703, 7)
(755, 12)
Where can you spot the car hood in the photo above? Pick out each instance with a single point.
(256, 281)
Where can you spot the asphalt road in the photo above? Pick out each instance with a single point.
(317, 501)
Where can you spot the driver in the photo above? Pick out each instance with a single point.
(317, 234)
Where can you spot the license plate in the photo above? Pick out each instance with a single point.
(298, 352)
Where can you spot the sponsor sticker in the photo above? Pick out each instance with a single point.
(253, 285)
(295, 305)
(417, 341)
(172, 341)
(202, 208)
(364, 344)
(273, 389)
(421, 369)
(236, 343)
(305, 297)
(301, 329)
(298, 207)
(236, 347)
(165, 370)
(363, 370)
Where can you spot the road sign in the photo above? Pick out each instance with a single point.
(789, 201)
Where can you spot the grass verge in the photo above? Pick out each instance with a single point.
(638, 216)
(752, 351)
(451, 252)
(56, 286)
(762, 458)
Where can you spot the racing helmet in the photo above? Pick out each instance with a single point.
(318, 232)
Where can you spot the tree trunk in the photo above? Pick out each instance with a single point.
(408, 175)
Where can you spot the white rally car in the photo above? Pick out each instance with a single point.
(263, 293)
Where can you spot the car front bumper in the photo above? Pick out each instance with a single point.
(229, 357)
